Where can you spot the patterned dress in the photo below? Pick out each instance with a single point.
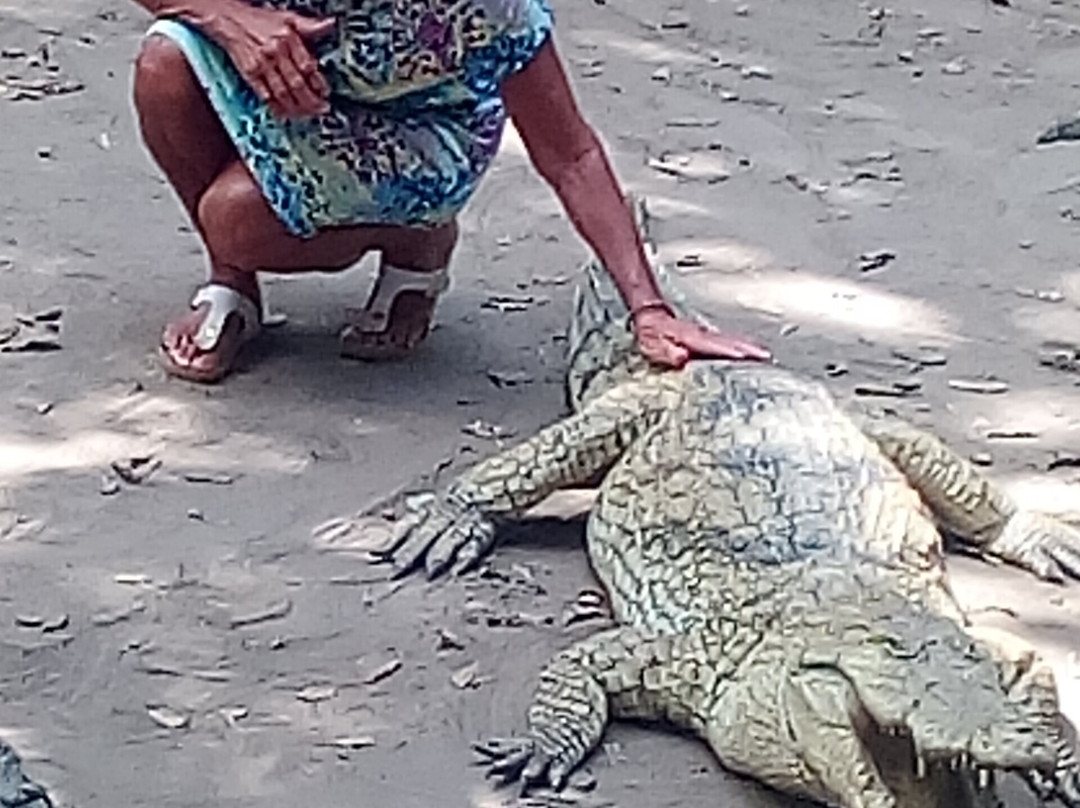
(416, 114)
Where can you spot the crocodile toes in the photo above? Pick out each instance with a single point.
(1047, 547)
(508, 759)
(1066, 787)
(437, 534)
(523, 760)
(462, 546)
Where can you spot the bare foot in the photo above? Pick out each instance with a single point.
(184, 358)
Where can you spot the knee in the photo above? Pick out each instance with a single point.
(163, 78)
(232, 216)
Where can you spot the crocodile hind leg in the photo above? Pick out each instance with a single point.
(457, 528)
(806, 746)
(972, 508)
(624, 673)
(566, 718)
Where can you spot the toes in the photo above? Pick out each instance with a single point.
(558, 775)
(507, 759)
(495, 748)
(462, 548)
(414, 549)
(1049, 570)
(406, 327)
(536, 772)
(470, 554)
(1069, 789)
(402, 530)
(178, 343)
(522, 760)
(447, 549)
(511, 768)
(1068, 561)
(203, 362)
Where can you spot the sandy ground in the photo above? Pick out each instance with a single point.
(787, 139)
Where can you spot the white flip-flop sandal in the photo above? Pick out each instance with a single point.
(374, 319)
(223, 302)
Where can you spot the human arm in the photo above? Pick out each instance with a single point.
(268, 46)
(568, 154)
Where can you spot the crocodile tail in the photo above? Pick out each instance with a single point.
(600, 340)
(598, 306)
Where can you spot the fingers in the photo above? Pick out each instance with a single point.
(706, 342)
(291, 94)
(279, 98)
(307, 83)
(284, 75)
(665, 340)
(495, 748)
(403, 528)
(1068, 787)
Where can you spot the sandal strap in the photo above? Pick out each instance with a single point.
(395, 280)
(223, 301)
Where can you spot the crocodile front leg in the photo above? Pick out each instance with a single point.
(972, 508)
(456, 529)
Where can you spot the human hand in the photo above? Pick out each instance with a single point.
(270, 49)
(664, 339)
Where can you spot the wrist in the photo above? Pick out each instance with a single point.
(651, 304)
(213, 17)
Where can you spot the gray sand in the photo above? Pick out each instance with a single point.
(788, 140)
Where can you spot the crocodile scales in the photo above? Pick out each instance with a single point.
(16, 789)
(775, 567)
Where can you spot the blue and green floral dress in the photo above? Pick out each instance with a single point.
(416, 113)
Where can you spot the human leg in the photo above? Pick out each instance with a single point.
(242, 233)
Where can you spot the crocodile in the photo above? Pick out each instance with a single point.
(17, 790)
(775, 567)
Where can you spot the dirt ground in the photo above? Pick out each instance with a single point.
(191, 640)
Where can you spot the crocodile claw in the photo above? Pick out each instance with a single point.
(1048, 548)
(1065, 788)
(439, 535)
(510, 760)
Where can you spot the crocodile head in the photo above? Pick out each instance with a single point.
(922, 680)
